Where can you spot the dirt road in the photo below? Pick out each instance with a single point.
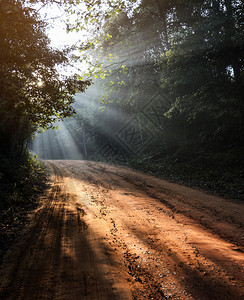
(104, 232)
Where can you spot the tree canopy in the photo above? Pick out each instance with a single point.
(192, 51)
(32, 92)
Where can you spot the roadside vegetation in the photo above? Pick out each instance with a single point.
(22, 181)
(219, 173)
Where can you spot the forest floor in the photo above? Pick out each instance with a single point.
(104, 232)
(216, 172)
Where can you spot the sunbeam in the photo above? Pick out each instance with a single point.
(56, 144)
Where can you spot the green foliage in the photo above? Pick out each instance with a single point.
(202, 69)
(193, 50)
(21, 179)
(32, 92)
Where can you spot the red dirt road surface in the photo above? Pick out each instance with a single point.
(104, 232)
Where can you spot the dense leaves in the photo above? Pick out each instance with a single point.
(32, 92)
(203, 69)
(193, 51)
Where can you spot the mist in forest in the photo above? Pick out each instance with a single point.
(170, 84)
(83, 135)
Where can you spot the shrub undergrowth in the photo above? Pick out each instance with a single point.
(22, 180)
(219, 172)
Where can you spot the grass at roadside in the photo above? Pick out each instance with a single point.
(21, 183)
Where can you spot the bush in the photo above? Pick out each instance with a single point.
(22, 181)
